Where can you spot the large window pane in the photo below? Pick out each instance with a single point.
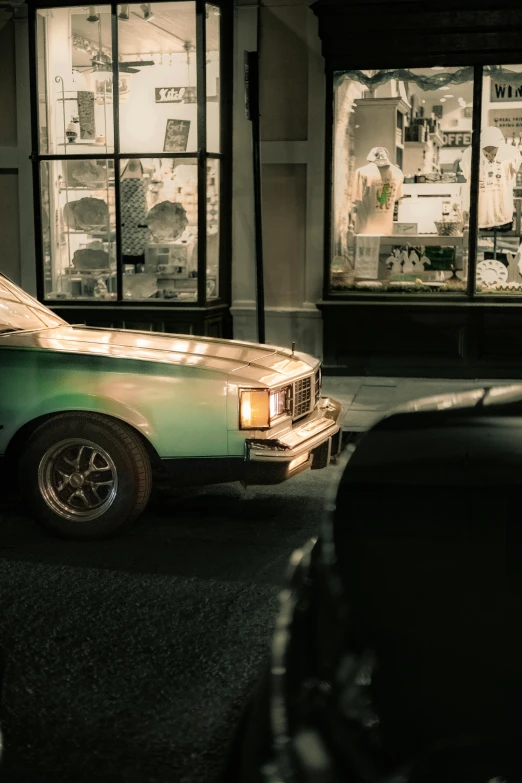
(78, 229)
(159, 228)
(500, 182)
(74, 77)
(399, 219)
(212, 229)
(213, 86)
(157, 48)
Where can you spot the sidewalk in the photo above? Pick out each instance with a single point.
(365, 400)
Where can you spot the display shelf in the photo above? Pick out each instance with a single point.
(82, 144)
(380, 123)
(430, 240)
(436, 138)
(91, 188)
(171, 276)
(97, 233)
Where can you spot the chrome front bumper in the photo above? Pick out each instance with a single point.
(310, 443)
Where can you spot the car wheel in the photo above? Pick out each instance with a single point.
(84, 475)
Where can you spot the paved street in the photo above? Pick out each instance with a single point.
(129, 660)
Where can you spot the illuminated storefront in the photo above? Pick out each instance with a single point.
(423, 252)
(130, 164)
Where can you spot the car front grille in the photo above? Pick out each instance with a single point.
(302, 398)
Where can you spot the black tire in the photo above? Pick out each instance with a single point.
(110, 475)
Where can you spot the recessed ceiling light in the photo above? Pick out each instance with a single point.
(437, 68)
(449, 96)
(443, 100)
(444, 87)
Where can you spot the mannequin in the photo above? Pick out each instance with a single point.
(499, 163)
(378, 185)
(134, 231)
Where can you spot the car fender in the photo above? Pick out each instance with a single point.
(180, 409)
(67, 403)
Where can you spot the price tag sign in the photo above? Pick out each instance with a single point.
(367, 256)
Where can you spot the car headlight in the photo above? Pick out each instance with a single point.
(259, 407)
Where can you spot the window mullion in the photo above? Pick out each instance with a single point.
(474, 179)
(201, 48)
(116, 158)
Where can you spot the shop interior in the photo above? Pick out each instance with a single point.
(401, 184)
(156, 118)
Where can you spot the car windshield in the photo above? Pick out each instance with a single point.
(20, 312)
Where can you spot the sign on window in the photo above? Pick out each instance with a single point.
(502, 92)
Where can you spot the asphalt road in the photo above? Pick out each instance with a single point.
(130, 659)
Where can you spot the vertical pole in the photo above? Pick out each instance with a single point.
(252, 108)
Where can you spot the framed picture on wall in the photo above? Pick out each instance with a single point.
(176, 136)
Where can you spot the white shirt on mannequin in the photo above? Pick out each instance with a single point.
(499, 163)
(377, 188)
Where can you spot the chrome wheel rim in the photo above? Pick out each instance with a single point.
(77, 479)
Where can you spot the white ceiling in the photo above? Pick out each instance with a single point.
(173, 24)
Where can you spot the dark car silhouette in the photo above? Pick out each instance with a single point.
(397, 651)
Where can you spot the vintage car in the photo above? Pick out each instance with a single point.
(397, 645)
(88, 416)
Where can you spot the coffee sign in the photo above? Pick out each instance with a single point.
(456, 138)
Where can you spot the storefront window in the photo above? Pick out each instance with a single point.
(212, 229)
(78, 229)
(158, 107)
(400, 214)
(159, 214)
(74, 51)
(119, 189)
(499, 249)
(213, 63)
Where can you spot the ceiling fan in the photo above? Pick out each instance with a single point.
(101, 63)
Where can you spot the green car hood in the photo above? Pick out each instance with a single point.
(261, 364)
